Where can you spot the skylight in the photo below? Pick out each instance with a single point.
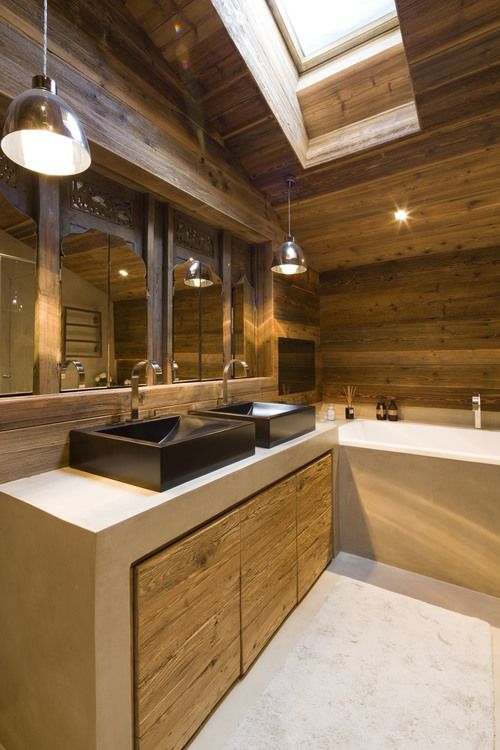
(320, 29)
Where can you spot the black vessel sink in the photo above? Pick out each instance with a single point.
(274, 423)
(161, 453)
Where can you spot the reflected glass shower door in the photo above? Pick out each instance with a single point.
(17, 320)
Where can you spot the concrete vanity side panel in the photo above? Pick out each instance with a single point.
(433, 516)
(47, 661)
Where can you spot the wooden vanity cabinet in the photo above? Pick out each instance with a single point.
(268, 565)
(314, 522)
(205, 606)
(187, 633)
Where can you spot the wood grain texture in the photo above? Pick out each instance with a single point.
(433, 341)
(187, 633)
(297, 316)
(169, 151)
(364, 89)
(48, 326)
(314, 522)
(268, 565)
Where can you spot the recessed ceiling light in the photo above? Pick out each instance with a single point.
(123, 272)
(401, 214)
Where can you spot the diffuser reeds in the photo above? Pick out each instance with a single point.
(349, 393)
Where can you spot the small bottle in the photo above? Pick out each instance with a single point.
(392, 411)
(330, 413)
(381, 410)
(349, 412)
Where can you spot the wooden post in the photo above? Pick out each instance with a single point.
(263, 254)
(168, 294)
(48, 288)
(226, 297)
(154, 264)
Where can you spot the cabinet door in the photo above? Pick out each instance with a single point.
(268, 565)
(314, 521)
(187, 633)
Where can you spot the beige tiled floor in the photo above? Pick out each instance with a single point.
(224, 720)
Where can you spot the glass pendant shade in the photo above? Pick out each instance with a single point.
(198, 274)
(289, 257)
(42, 133)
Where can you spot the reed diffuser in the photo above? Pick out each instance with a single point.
(349, 393)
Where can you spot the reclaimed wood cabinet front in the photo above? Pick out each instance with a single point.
(187, 633)
(314, 522)
(268, 565)
(205, 606)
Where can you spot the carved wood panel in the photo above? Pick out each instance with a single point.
(89, 199)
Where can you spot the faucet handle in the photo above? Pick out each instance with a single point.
(476, 400)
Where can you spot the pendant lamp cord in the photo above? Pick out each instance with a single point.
(45, 24)
(289, 223)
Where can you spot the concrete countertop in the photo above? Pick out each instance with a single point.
(95, 503)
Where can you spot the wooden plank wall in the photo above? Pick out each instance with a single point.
(424, 330)
(296, 316)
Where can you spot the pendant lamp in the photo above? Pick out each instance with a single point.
(289, 257)
(198, 274)
(41, 132)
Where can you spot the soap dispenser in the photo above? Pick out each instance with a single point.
(392, 411)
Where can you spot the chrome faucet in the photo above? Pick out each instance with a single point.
(78, 367)
(134, 379)
(476, 408)
(225, 376)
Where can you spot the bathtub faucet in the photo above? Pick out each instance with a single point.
(476, 408)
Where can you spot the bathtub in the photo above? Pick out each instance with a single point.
(457, 443)
(421, 497)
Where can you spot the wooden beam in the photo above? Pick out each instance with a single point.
(365, 134)
(254, 32)
(126, 118)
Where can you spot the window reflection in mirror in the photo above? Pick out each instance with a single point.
(18, 242)
(197, 328)
(103, 296)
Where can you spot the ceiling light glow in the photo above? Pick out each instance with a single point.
(401, 214)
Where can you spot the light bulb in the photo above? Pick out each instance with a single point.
(45, 152)
(401, 214)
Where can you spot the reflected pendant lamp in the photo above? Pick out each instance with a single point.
(41, 132)
(289, 257)
(198, 274)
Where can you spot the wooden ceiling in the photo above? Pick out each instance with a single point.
(448, 175)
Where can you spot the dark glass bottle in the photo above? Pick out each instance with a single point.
(392, 411)
(381, 410)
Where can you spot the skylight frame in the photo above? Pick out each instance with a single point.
(304, 63)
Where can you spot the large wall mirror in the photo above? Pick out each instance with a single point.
(198, 309)
(18, 246)
(243, 308)
(104, 310)
(197, 323)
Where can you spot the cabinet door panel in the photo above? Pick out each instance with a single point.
(268, 565)
(314, 521)
(187, 633)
